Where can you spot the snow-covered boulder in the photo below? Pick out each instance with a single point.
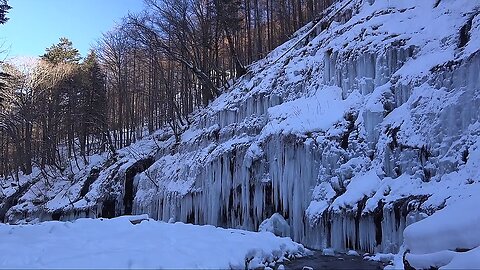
(276, 224)
(352, 253)
(328, 252)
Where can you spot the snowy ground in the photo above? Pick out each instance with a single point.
(117, 243)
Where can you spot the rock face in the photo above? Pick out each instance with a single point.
(361, 129)
(351, 136)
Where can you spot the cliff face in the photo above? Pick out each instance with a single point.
(351, 132)
(357, 132)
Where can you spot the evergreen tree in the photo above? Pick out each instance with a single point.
(93, 105)
(4, 8)
(61, 100)
(62, 52)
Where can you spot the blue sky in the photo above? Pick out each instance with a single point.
(35, 25)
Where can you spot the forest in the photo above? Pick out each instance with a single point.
(153, 70)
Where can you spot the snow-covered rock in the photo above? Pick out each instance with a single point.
(352, 253)
(276, 224)
(328, 252)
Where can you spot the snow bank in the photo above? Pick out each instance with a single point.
(434, 240)
(118, 244)
(466, 260)
(458, 230)
(441, 239)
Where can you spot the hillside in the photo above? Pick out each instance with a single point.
(352, 130)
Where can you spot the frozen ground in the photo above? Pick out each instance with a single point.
(119, 244)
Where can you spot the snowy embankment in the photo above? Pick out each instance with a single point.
(449, 239)
(119, 244)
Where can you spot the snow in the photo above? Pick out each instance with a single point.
(381, 257)
(446, 259)
(431, 245)
(466, 260)
(359, 187)
(254, 153)
(328, 252)
(459, 229)
(276, 224)
(427, 261)
(352, 253)
(309, 114)
(117, 243)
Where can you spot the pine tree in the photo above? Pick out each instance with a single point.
(61, 100)
(4, 8)
(62, 52)
(93, 108)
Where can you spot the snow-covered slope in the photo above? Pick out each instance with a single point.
(357, 132)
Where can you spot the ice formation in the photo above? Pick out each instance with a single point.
(360, 130)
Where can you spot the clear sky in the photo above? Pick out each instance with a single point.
(35, 25)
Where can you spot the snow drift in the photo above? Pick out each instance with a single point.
(119, 244)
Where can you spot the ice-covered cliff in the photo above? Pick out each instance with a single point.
(351, 130)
